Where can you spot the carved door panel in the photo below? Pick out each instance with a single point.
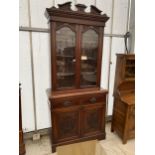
(65, 124)
(93, 119)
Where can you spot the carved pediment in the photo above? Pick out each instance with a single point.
(95, 10)
(65, 6)
(64, 10)
(81, 7)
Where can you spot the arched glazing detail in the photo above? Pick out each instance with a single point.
(89, 58)
(65, 55)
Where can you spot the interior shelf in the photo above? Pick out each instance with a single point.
(88, 58)
(65, 74)
(88, 73)
(65, 56)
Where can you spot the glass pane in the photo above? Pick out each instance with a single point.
(65, 52)
(89, 58)
(130, 72)
(130, 68)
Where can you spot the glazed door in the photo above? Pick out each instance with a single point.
(77, 57)
(93, 119)
(65, 56)
(90, 59)
(66, 124)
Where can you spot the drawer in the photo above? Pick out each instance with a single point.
(93, 99)
(62, 103)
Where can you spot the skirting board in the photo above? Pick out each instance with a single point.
(46, 131)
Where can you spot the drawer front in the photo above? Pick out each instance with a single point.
(93, 99)
(62, 103)
(78, 100)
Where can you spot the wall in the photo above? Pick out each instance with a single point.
(35, 55)
(132, 26)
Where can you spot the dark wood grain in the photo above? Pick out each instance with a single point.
(66, 12)
(80, 107)
(78, 55)
(53, 55)
(99, 60)
(78, 112)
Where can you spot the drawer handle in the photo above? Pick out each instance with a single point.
(67, 103)
(93, 100)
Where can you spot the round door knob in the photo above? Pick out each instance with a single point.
(93, 100)
(67, 103)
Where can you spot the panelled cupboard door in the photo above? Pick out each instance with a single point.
(93, 119)
(66, 124)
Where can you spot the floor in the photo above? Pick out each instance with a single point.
(111, 146)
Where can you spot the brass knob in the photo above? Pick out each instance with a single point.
(93, 100)
(67, 103)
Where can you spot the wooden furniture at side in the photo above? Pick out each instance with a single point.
(123, 118)
(77, 102)
(125, 69)
(21, 140)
